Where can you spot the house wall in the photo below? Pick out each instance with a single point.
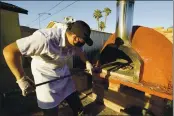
(9, 30)
(26, 31)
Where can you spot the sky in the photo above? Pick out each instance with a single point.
(146, 13)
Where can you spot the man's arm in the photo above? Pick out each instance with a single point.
(81, 54)
(13, 59)
(83, 57)
(34, 44)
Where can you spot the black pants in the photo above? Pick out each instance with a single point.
(73, 101)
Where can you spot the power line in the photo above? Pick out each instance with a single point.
(55, 6)
(46, 11)
(33, 21)
(60, 10)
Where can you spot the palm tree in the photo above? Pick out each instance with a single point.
(102, 26)
(97, 15)
(107, 11)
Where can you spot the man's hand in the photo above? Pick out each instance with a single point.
(26, 85)
(97, 69)
(89, 67)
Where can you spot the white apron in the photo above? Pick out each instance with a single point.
(47, 48)
(50, 95)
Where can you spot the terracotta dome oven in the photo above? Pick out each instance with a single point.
(137, 56)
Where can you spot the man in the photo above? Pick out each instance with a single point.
(50, 49)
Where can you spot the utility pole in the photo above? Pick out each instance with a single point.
(40, 14)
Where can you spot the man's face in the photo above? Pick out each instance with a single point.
(77, 41)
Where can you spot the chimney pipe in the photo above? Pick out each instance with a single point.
(124, 20)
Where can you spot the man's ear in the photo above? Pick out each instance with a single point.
(74, 37)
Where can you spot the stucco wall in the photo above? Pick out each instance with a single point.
(9, 30)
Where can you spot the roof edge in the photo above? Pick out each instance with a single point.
(11, 7)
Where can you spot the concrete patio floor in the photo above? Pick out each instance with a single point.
(20, 106)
